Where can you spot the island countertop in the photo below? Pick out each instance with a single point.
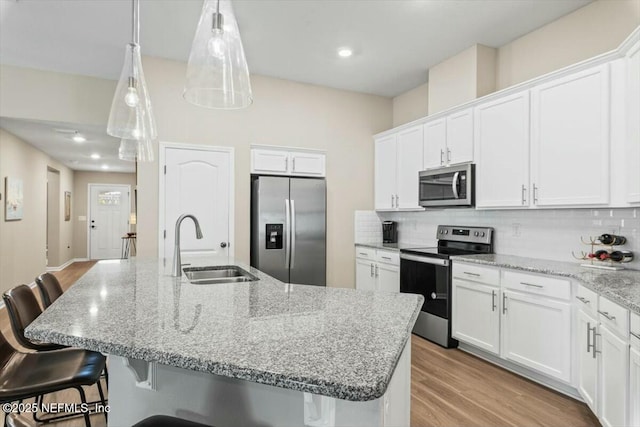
(335, 342)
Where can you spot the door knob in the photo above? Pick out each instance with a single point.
(223, 244)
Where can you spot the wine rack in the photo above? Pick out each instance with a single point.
(607, 264)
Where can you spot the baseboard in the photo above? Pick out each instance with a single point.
(67, 264)
(556, 385)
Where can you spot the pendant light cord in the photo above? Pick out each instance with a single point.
(135, 21)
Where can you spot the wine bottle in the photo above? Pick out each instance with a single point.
(621, 256)
(612, 239)
(601, 255)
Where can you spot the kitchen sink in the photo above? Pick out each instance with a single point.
(218, 274)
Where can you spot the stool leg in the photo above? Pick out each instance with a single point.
(83, 398)
(102, 399)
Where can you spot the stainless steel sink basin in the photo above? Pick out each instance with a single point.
(218, 274)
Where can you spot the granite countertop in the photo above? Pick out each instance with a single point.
(395, 247)
(341, 343)
(621, 286)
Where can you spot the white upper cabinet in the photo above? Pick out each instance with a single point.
(398, 161)
(449, 140)
(460, 137)
(502, 163)
(632, 139)
(570, 140)
(385, 172)
(280, 161)
(435, 143)
(409, 165)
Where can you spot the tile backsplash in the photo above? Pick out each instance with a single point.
(545, 234)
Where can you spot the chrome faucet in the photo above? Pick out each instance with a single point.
(176, 271)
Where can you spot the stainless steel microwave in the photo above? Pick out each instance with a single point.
(448, 186)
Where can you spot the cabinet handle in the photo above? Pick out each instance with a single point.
(448, 155)
(392, 201)
(377, 271)
(607, 315)
(286, 163)
(635, 335)
(386, 257)
(441, 157)
(362, 253)
(524, 195)
(535, 194)
(471, 274)
(595, 342)
(397, 201)
(504, 303)
(493, 301)
(583, 300)
(293, 164)
(532, 284)
(371, 270)
(589, 337)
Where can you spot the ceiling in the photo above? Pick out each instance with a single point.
(55, 139)
(395, 42)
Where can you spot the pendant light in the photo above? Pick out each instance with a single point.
(132, 150)
(131, 116)
(217, 73)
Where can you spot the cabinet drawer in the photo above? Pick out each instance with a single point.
(538, 285)
(614, 316)
(475, 273)
(388, 257)
(634, 330)
(587, 299)
(365, 253)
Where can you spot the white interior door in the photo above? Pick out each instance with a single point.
(197, 182)
(108, 219)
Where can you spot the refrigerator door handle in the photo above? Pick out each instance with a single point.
(292, 251)
(287, 230)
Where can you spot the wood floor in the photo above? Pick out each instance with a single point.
(448, 388)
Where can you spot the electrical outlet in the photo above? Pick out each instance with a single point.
(515, 229)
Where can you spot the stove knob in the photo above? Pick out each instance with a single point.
(441, 231)
(476, 234)
(433, 295)
(482, 234)
(446, 231)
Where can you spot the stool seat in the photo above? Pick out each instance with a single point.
(167, 421)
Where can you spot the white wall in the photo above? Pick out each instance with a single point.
(411, 105)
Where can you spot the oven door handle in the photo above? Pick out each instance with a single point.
(426, 260)
(454, 185)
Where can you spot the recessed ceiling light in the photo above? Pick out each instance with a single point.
(95, 156)
(105, 166)
(345, 52)
(78, 138)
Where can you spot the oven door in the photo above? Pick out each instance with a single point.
(429, 277)
(450, 186)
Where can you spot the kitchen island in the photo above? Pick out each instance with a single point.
(252, 353)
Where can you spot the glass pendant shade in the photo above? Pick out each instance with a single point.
(217, 73)
(131, 116)
(136, 150)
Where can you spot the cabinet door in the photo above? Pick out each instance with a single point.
(614, 358)
(269, 161)
(587, 363)
(410, 146)
(435, 143)
(570, 139)
(502, 165)
(388, 278)
(633, 125)
(537, 333)
(307, 164)
(385, 172)
(634, 388)
(460, 137)
(365, 279)
(476, 315)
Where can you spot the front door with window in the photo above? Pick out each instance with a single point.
(108, 219)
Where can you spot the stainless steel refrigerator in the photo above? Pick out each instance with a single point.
(288, 228)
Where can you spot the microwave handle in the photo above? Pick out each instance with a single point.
(454, 185)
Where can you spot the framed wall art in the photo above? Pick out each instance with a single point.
(14, 203)
(67, 205)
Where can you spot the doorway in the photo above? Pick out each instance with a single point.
(109, 207)
(196, 180)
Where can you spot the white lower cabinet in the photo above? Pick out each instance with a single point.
(634, 387)
(587, 372)
(614, 355)
(537, 333)
(377, 270)
(475, 314)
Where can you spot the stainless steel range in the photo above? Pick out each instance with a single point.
(427, 271)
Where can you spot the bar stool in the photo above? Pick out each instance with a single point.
(49, 288)
(167, 421)
(25, 375)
